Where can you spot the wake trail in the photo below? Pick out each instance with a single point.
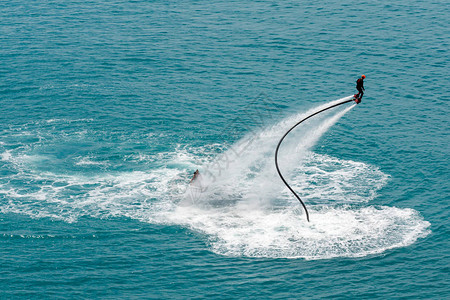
(245, 209)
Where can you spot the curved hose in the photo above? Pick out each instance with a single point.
(281, 140)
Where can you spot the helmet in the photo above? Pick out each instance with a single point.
(363, 76)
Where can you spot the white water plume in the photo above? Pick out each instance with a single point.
(247, 171)
(247, 211)
(242, 207)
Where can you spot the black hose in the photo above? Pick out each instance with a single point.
(278, 147)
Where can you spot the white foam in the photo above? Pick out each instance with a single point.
(322, 179)
(6, 156)
(49, 121)
(244, 208)
(332, 232)
(247, 211)
(68, 197)
(89, 161)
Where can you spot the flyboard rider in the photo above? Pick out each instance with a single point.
(360, 88)
(196, 173)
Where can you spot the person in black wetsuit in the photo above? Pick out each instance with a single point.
(360, 88)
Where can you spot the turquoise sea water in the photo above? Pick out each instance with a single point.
(108, 107)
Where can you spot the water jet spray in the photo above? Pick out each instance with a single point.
(345, 100)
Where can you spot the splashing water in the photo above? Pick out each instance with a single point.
(243, 208)
(247, 211)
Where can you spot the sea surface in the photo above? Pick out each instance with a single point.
(108, 107)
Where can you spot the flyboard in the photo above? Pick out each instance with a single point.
(344, 100)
